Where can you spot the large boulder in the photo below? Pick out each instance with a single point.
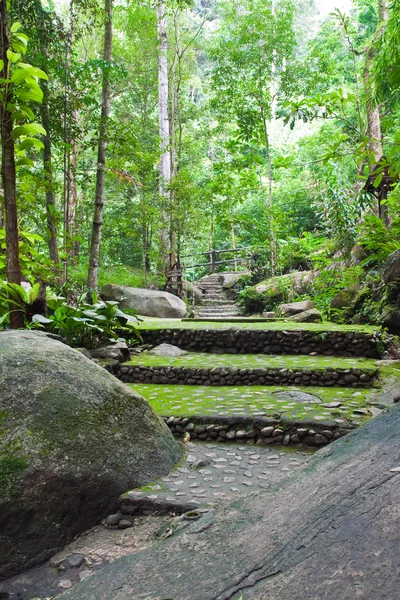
(390, 318)
(295, 308)
(307, 316)
(192, 291)
(149, 303)
(330, 530)
(391, 269)
(72, 438)
(347, 297)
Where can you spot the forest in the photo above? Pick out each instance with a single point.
(141, 134)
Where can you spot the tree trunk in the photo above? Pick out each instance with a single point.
(8, 175)
(372, 109)
(101, 156)
(49, 180)
(164, 133)
(73, 192)
(270, 193)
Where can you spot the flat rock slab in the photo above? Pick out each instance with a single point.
(214, 473)
(167, 350)
(298, 397)
(330, 531)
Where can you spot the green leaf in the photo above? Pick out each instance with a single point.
(15, 27)
(28, 96)
(13, 57)
(28, 143)
(41, 319)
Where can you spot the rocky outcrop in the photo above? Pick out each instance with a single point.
(72, 438)
(390, 318)
(149, 303)
(295, 308)
(167, 350)
(192, 291)
(328, 531)
(391, 269)
(118, 351)
(347, 297)
(308, 316)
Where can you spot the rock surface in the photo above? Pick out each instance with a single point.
(118, 351)
(308, 316)
(391, 269)
(149, 303)
(346, 298)
(390, 318)
(294, 308)
(167, 350)
(72, 438)
(330, 531)
(191, 290)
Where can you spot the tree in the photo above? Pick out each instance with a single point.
(102, 147)
(164, 132)
(251, 56)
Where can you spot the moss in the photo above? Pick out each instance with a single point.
(11, 467)
(252, 361)
(197, 401)
(149, 323)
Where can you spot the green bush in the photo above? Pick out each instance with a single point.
(117, 274)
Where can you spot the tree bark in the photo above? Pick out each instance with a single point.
(102, 148)
(372, 109)
(164, 133)
(49, 180)
(73, 192)
(8, 175)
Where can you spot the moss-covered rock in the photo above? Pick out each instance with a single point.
(346, 298)
(72, 439)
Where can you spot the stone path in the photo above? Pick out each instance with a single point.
(210, 474)
(214, 473)
(215, 303)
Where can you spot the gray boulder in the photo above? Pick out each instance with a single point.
(308, 316)
(390, 318)
(294, 308)
(347, 297)
(191, 290)
(328, 531)
(72, 438)
(118, 351)
(391, 269)
(167, 350)
(149, 303)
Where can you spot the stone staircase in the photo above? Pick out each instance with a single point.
(215, 303)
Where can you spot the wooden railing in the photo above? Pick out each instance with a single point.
(214, 256)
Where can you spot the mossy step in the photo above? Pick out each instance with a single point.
(263, 416)
(204, 360)
(152, 323)
(252, 401)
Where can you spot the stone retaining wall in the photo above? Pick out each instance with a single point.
(220, 376)
(256, 430)
(255, 341)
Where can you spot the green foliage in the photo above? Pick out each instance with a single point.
(329, 283)
(21, 298)
(87, 325)
(277, 290)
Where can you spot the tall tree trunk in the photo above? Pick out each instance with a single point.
(73, 192)
(164, 133)
(101, 155)
(47, 151)
(372, 109)
(49, 181)
(270, 193)
(8, 175)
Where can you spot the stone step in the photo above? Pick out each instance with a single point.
(263, 415)
(216, 302)
(265, 338)
(227, 370)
